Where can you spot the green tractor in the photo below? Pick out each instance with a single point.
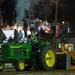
(19, 54)
(25, 55)
(35, 52)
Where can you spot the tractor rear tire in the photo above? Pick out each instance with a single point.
(48, 58)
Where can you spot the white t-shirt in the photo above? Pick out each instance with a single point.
(41, 26)
(28, 32)
(45, 28)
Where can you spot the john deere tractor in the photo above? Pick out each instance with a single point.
(38, 51)
(24, 55)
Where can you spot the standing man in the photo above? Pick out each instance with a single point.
(20, 35)
(2, 36)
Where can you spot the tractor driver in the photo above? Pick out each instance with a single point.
(41, 28)
(44, 28)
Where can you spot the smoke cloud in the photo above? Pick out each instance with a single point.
(21, 6)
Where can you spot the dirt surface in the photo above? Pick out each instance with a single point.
(38, 73)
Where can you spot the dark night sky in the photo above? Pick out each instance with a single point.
(69, 11)
(8, 7)
(66, 10)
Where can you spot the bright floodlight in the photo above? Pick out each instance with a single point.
(62, 22)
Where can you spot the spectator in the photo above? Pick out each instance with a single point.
(2, 36)
(15, 35)
(20, 35)
(10, 40)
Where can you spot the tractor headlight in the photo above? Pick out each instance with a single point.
(66, 46)
(70, 47)
(59, 46)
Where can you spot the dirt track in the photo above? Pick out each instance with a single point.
(38, 73)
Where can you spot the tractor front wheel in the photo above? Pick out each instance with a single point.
(20, 66)
(1, 66)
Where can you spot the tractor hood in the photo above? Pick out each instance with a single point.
(16, 46)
